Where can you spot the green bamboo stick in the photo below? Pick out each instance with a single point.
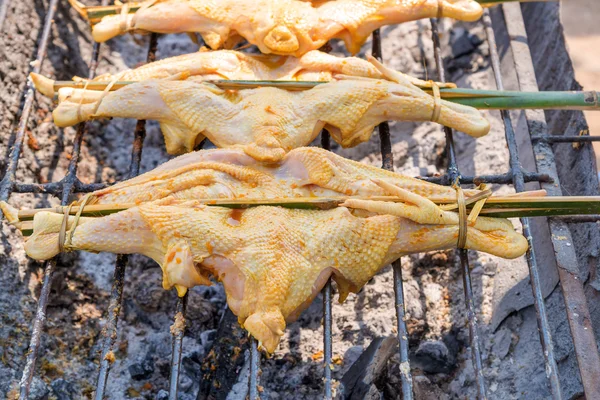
(480, 99)
(507, 100)
(497, 207)
(496, 204)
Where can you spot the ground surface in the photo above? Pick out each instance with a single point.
(433, 284)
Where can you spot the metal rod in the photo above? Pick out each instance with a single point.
(6, 187)
(578, 314)
(3, 12)
(109, 333)
(177, 345)
(36, 332)
(56, 188)
(453, 176)
(7, 183)
(566, 139)
(327, 340)
(387, 159)
(327, 312)
(505, 178)
(473, 326)
(177, 331)
(254, 370)
(519, 184)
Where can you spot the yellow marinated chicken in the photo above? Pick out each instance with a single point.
(272, 261)
(235, 65)
(286, 27)
(267, 122)
(231, 174)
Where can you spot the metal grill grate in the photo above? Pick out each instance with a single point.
(577, 309)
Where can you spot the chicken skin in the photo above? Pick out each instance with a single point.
(285, 27)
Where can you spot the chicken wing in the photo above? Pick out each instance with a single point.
(286, 27)
(267, 122)
(272, 261)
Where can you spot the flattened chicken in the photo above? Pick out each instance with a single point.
(267, 122)
(272, 261)
(231, 174)
(286, 27)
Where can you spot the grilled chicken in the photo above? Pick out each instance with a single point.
(266, 122)
(286, 27)
(272, 261)
(236, 65)
(231, 174)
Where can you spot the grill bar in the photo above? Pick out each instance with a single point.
(504, 179)
(473, 325)
(3, 12)
(566, 139)
(109, 333)
(577, 309)
(36, 333)
(177, 345)
(254, 370)
(327, 340)
(7, 185)
(519, 184)
(453, 176)
(177, 332)
(56, 188)
(8, 182)
(327, 310)
(387, 159)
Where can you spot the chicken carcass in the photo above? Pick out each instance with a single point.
(272, 261)
(231, 174)
(286, 27)
(267, 122)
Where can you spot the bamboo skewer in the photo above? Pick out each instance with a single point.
(527, 204)
(494, 206)
(480, 99)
